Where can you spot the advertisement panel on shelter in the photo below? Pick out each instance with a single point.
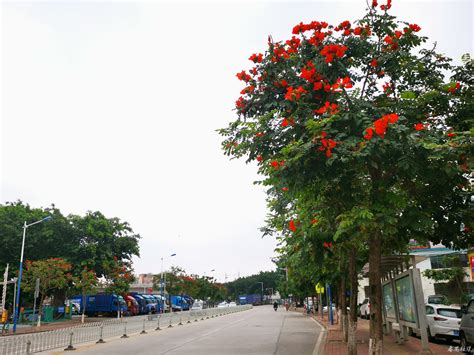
(406, 299)
(388, 301)
(471, 265)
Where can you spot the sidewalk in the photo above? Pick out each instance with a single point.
(335, 345)
(27, 328)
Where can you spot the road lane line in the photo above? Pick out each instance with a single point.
(207, 334)
(279, 334)
(319, 342)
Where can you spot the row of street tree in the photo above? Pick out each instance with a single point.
(363, 137)
(68, 254)
(83, 254)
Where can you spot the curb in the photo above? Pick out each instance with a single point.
(321, 341)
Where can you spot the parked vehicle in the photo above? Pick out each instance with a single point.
(178, 304)
(364, 309)
(151, 304)
(141, 302)
(198, 305)
(163, 302)
(158, 303)
(132, 305)
(437, 299)
(254, 299)
(443, 321)
(101, 304)
(223, 305)
(189, 300)
(466, 329)
(232, 304)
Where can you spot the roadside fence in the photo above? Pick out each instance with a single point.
(100, 331)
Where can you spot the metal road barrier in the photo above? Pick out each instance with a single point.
(100, 331)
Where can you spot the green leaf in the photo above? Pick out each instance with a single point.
(408, 95)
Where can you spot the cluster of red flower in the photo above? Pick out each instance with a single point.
(293, 45)
(294, 94)
(392, 41)
(314, 25)
(332, 50)
(419, 126)
(288, 121)
(332, 108)
(327, 144)
(362, 31)
(292, 226)
(277, 164)
(413, 27)
(308, 73)
(342, 83)
(327, 245)
(256, 58)
(240, 103)
(344, 26)
(381, 126)
(387, 88)
(454, 88)
(383, 7)
(248, 90)
(243, 76)
(279, 52)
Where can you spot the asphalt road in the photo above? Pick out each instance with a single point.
(260, 330)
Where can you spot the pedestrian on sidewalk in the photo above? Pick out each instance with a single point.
(287, 306)
(5, 321)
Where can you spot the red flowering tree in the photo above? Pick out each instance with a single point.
(351, 126)
(119, 276)
(54, 274)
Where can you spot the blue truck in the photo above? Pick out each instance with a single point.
(102, 303)
(179, 303)
(254, 299)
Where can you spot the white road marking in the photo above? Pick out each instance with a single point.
(322, 335)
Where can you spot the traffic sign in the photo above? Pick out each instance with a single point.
(319, 288)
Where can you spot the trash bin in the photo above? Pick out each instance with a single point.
(47, 314)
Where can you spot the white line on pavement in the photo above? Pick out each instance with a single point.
(319, 342)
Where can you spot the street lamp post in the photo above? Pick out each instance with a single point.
(162, 287)
(20, 273)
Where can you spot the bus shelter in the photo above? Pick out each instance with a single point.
(403, 305)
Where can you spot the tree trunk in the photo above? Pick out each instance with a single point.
(354, 285)
(376, 331)
(40, 311)
(343, 306)
(83, 306)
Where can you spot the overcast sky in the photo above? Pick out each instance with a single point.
(114, 106)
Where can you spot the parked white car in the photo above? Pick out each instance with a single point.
(232, 304)
(443, 321)
(197, 305)
(467, 326)
(223, 305)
